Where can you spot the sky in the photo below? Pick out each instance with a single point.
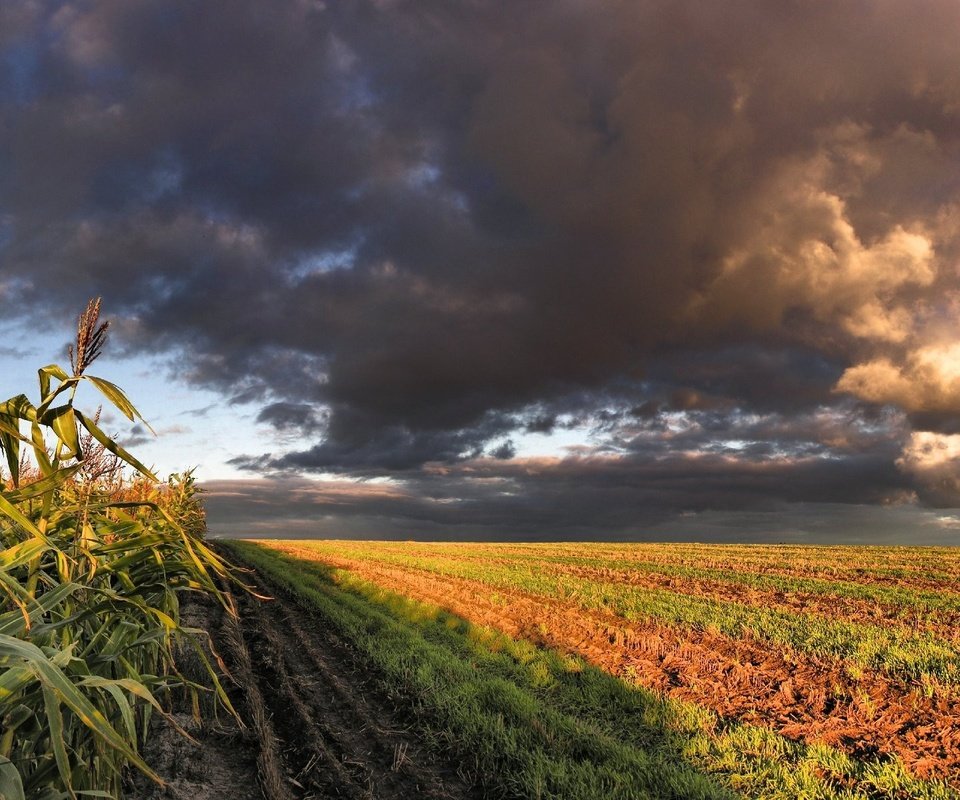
(578, 269)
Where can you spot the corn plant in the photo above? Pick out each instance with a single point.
(89, 586)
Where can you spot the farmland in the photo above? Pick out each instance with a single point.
(575, 670)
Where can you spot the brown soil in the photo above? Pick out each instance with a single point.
(221, 763)
(940, 577)
(315, 723)
(849, 566)
(942, 623)
(801, 697)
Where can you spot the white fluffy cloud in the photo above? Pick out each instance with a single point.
(928, 380)
(806, 254)
(933, 459)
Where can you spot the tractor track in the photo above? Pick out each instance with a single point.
(316, 724)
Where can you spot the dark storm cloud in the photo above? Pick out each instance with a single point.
(291, 416)
(360, 450)
(412, 231)
(568, 499)
(136, 437)
(758, 375)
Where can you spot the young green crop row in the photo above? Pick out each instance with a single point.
(929, 565)
(932, 606)
(897, 652)
(841, 562)
(533, 723)
(905, 597)
(780, 569)
(840, 556)
(88, 595)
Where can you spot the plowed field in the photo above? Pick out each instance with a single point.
(620, 670)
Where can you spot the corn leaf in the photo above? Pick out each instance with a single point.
(139, 690)
(48, 372)
(43, 485)
(12, 622)
(21, 553)
(112, 446)
(19, 407)
(64, 423)
(40, 449)
(14, 513)
(55, 724)
(10, 445)
(116, 396)
(53, 677)
(48, 398)
(11, 787)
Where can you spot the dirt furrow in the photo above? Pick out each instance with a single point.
(340, 736)
(314, 724)
(221, 763)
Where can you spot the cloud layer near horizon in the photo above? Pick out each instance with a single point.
(719, 242)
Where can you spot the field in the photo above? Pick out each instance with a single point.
(621, 671)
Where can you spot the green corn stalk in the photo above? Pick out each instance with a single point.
(89, 585)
